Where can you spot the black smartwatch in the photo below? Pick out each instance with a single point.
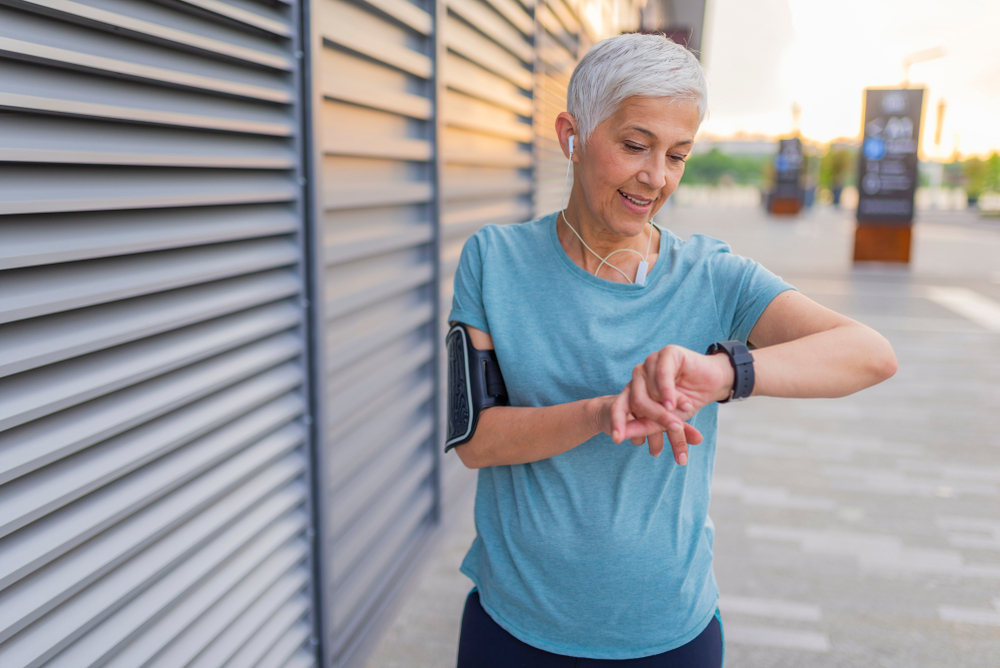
(742, 361)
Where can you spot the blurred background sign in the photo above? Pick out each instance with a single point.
(887, 174)
(787, 194)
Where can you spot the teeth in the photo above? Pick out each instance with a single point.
(637, 202)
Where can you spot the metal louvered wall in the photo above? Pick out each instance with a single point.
(221, 326)
(487, 49)
(154, 495)
(373, 109)
(561, 42)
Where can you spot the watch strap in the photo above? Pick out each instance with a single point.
(742, 361)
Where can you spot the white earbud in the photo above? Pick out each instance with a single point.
(571, 138)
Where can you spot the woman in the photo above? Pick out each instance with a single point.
(588, 552)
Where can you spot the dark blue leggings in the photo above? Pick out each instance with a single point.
(485, 644)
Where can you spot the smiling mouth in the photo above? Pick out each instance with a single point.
(636, 200)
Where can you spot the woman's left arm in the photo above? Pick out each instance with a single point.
(806, 350)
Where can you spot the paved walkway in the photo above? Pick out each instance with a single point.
(862, 531)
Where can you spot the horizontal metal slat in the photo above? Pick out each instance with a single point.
(406, 13)
(218, 531)
(521, 159)
(66, 140)
(74, 60)
(274, 24)
(252, 616)
(417, 150)
(119, 23)
(466, 77)
(473, 45)
(43, 441)
(487, 21)
(34, 103)
(482, 214)
(33, 343)
(376, 243)
(26, 190)
(335, 86)
(487, 186)
(36, 291)
(52, 388)
(178, 637)
(259, 532)
(29, 241)
(355, 198)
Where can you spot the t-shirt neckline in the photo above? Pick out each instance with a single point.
(581, 274)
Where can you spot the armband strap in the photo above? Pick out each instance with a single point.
(474, 384)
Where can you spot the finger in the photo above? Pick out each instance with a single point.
(640, 402)
(651, 366)
(692, 435)
(666, 372)
(675, 432)
(619, 416)
(641, 428)
(656, 443)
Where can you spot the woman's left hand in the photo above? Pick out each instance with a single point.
(670, 387)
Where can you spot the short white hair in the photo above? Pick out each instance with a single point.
(624, 66)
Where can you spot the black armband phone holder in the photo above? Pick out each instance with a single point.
(474, 384)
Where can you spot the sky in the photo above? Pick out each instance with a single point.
(762, 56)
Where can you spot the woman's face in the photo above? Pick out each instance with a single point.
(633, 161)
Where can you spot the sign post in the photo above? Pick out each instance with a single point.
(887, 174)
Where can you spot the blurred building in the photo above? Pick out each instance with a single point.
(227, 238)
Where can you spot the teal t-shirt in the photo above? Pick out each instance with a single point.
(603, 551)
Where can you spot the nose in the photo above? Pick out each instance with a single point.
(654, 172)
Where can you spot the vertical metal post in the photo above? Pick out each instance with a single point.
(313, 271)
(437, 209)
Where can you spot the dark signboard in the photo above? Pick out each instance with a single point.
(788, 168)
(887, 163)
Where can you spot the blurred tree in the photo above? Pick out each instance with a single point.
(835, 168)
(710, 168)
(993, 173)
(976, 172)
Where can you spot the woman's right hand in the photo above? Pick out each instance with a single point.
(612, 410)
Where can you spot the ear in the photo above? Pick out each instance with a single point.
(565, 130)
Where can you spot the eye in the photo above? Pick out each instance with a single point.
(679, 158)
(635, 148)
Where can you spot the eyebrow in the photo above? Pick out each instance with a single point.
(652, 135)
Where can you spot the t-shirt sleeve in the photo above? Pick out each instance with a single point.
(467, 302)
(743, 289)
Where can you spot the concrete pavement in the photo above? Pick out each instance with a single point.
(862, 531)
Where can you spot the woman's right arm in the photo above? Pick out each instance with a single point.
(521, 434)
